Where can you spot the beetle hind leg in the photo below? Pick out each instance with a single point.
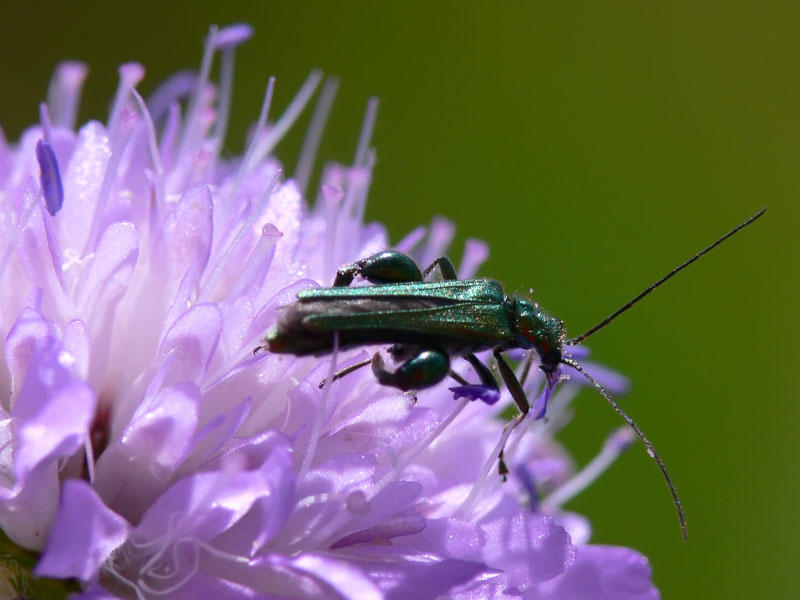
(423, 370)
(346, 371)
(389, 266)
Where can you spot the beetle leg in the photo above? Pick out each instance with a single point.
(487, 391)
(389, 266)
(502, 467)
(485, 375)
(446, 268)
(512, 383)
(458, 378)
(427, 368)
(402, 352)
(346, 371)
(518, 394)
(483, 372)
(526, 367)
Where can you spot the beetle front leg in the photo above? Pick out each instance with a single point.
(520, 398)
(425, 369)
(389, 266)
(512, 383)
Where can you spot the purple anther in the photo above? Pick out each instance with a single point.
(487, 394)
(49, 177)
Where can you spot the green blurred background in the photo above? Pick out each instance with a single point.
(593, 147)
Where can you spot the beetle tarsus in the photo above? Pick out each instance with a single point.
(346, 371)
(502, 467)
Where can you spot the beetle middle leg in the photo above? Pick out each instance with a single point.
(483, 372)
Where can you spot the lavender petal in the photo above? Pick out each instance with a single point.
(603, 573)
(186, 233)
(448, 538)
(191, 342)
(53, 411)
(207, 504)
(84, 534)
(406, 523)
(529, 548)
(418, 576)
(158, 438)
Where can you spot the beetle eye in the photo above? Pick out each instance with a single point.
(526, 328)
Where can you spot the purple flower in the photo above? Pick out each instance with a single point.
(148, 452)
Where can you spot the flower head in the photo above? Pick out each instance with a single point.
(149, 452)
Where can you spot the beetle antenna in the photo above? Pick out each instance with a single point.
(675, 271)
(651, 451)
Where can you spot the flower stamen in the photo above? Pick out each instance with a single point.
(191, 128)
(221, 266)
(227, 40)
(130, 74)
(64, 93)
(275, 134)
(488, 466)
(319, 118)
(261, 124)
(320, 413)
(615, 446)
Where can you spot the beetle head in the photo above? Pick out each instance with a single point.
(536, 329)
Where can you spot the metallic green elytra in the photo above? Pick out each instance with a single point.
(459, 316)
(426, 323)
